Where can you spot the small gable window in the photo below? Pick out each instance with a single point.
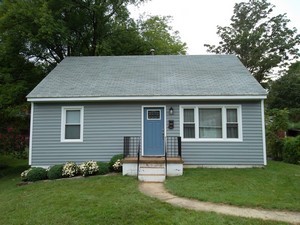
(72, 124)
(153, 114)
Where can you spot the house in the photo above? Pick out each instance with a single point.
(204, 110)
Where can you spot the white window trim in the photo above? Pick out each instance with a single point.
(224, 124)
(63, 123)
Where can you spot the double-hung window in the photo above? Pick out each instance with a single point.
(189, 123)
(232, 124)
(211, 123)
(72, 124)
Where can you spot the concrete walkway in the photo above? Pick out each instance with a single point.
(158, 191)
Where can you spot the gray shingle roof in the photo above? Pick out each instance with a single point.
(114, 76)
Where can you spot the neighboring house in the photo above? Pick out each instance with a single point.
(205, 110)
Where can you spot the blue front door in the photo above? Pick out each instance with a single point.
(154, 131)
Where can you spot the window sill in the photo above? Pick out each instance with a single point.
(71, 141)
(211, 140)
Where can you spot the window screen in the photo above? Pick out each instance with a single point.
(210, 123)
(72, 126)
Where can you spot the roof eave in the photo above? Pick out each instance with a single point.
(149, 98)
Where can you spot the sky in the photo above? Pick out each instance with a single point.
(197, 20)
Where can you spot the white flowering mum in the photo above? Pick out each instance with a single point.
(117, 165)
(24, 174)
(88, 168)
(70, 169)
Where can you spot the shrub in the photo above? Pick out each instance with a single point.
(14, 142)
(55, 172)
(274, 146)
(291, 150)
(70, 169)
(103, 168)
(294, 115)
(277, 123)
(36, 173)
(24, 175)
(88, 168)
(118, 165)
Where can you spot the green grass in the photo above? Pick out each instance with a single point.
(276, 186)
(93, 200)
(294, 125)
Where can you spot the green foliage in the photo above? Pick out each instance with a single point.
(14, 143)
(17, 78)
(36, 173)
(36, 35)
(159, 35)
(103, 168)
(294, 118)
(261, 41)
(51, 29)
(55, 172)
(284, 92)
(277, 123)
(113, 160)
(10, 165)
(294, 115)
(291, 150)
(24, 174)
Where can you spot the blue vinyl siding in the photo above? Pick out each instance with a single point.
(247, 152)
(103, 131)
(105, 125)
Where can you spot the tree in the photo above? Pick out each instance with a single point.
(52, 29)
(49, 30)
(159, 35)
(261, 42)
(36, 35)
(285, 92)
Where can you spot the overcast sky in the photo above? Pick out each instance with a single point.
(197, 20)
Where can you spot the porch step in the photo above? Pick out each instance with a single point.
(152, 178)
(152, 172)
(152, 166)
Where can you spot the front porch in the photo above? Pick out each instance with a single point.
(152, 168)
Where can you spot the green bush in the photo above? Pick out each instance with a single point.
(276, 125)
(24, 174)
(55, 172)
(114, 161)
(294, 115)
(37, 173)
(274, 146)
(291, 150)
(103, 168)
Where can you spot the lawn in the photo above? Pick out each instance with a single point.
(277, 186)
(93, 200)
